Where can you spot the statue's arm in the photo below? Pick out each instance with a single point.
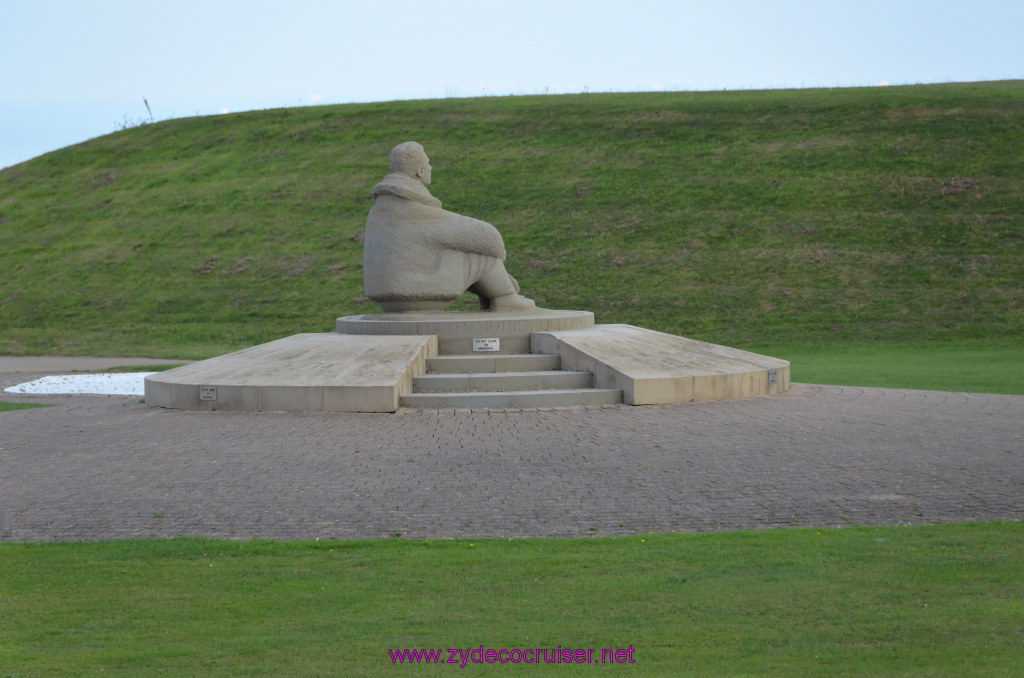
(464, 234)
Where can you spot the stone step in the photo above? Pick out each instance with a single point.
(490, 362)
(514, 399)
(502, 381)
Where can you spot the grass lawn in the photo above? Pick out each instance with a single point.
(9, 407)
(144, 368)
(904, 601)
(975, 367)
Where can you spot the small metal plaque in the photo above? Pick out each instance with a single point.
(490, 345)
(207, 392)
(773, 376)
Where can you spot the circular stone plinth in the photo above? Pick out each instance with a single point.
(466, 324)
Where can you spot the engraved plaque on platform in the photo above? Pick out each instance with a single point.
(486, 345)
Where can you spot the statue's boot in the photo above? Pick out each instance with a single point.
(512, 302)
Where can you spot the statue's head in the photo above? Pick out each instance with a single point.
(411, 160)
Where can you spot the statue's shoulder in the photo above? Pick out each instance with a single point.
(401, 186)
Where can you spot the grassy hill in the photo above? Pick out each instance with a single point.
(801, 219)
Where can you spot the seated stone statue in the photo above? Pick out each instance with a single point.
(419, 257)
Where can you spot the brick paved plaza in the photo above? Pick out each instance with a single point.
(103, 467)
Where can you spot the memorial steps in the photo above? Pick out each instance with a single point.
(504, 381)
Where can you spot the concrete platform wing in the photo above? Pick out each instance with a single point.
(304, 372)
(657, 368)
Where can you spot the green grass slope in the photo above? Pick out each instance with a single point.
(803, 219)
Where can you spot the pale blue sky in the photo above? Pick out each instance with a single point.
(71, 70)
